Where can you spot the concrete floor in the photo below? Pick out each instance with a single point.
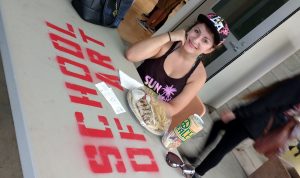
(10, 166)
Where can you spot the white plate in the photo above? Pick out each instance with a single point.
(138, 116)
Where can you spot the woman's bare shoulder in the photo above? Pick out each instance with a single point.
(163, 50)
(199, 74)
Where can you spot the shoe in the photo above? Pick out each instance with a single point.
(291, 147)
(191, 159)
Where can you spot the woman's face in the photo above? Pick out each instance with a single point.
(199, 40)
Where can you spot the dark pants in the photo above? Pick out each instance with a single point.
(234, 134)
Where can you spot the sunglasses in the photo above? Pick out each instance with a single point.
(174, 161)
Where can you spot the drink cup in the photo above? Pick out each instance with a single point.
(170, 140)
(184, 131)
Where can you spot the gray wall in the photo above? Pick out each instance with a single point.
(287, 68)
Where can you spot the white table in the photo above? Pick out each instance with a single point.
(65, 128)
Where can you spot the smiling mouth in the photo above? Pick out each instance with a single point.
(192, 44)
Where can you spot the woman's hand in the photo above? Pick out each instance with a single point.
(227, 116)
(178, 35)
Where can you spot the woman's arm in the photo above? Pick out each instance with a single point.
(195, 83)
(151, 47)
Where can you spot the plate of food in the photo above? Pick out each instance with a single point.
(146, 108)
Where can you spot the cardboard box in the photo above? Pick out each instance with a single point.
(275, 168)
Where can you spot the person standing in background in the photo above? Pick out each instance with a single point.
(274, 107)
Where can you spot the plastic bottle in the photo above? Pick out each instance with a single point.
(184, 131)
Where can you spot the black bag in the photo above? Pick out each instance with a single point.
(108, 13)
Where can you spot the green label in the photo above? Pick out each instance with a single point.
(183, 131)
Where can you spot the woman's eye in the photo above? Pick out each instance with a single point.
(197, 31)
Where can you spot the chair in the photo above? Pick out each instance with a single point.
(194, 107)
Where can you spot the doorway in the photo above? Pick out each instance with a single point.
(248, 21)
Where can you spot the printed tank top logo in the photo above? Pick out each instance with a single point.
(165, 93)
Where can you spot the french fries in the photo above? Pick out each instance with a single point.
(144, 104)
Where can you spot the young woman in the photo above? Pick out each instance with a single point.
(274, 107)
(172, 68)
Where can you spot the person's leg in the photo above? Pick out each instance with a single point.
(217, 126)
(234, 134)
(214, 132)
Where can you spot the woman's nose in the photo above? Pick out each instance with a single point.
(197, 38)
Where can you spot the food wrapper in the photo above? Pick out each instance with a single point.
(145, 106)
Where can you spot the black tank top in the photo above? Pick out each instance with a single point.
(154, 76)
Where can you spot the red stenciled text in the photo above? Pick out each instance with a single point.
(73, 61)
